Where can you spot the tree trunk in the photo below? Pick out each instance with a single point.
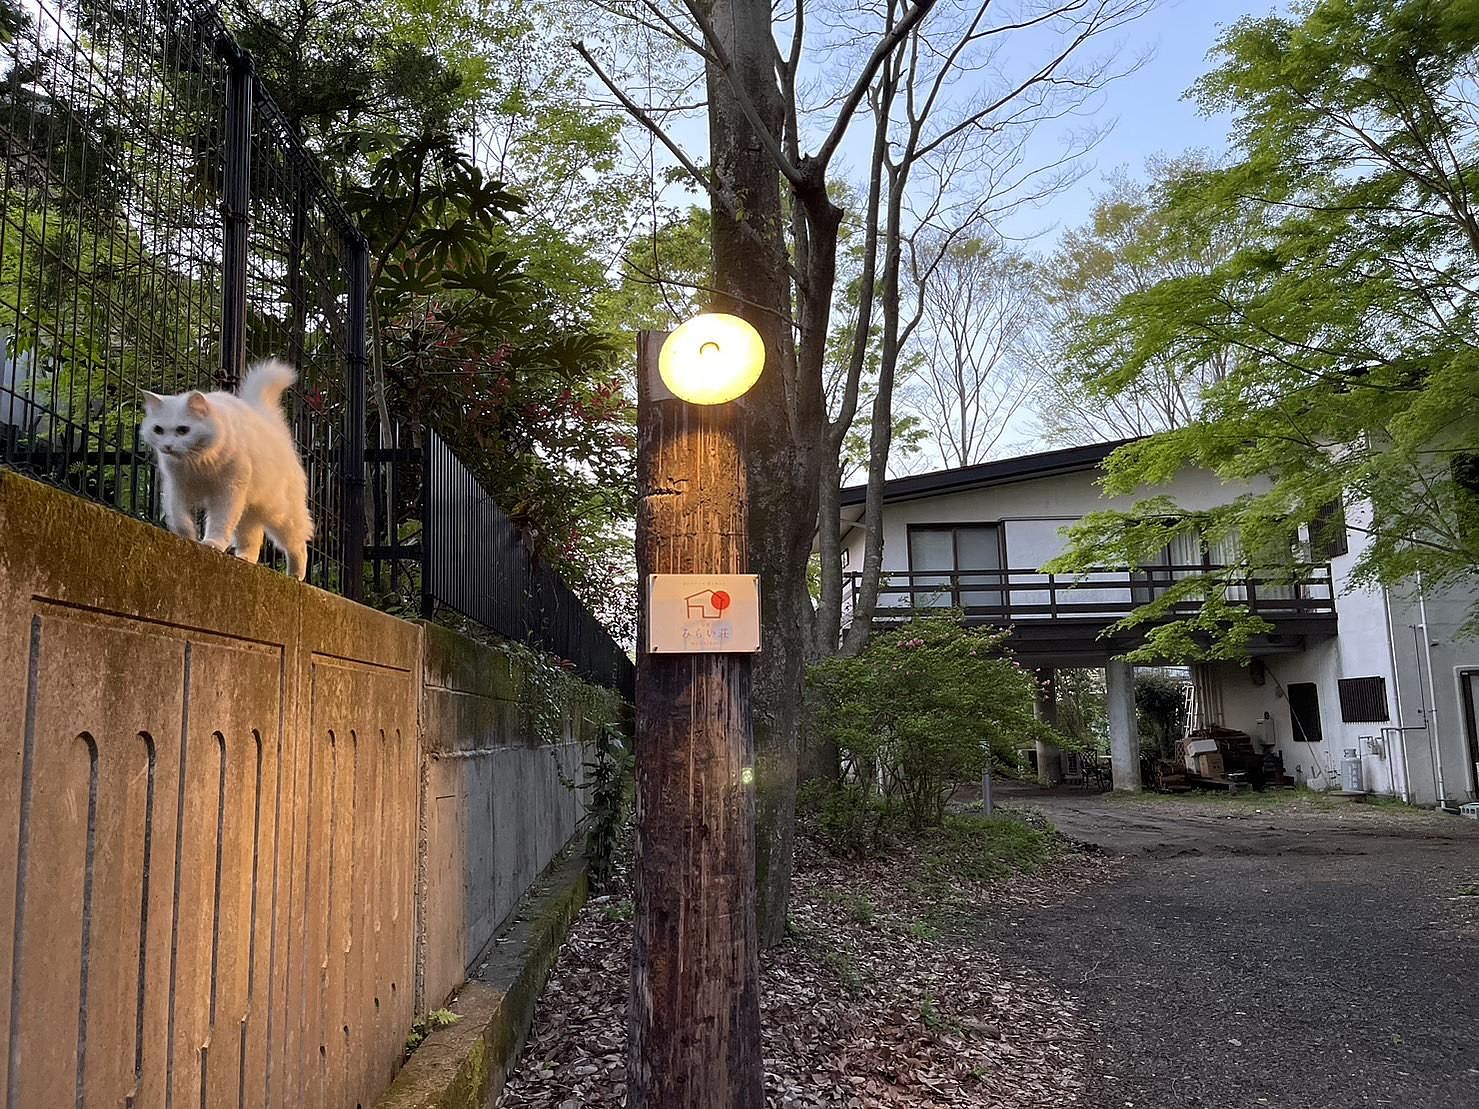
(880, 433)
(780, 460)
(694, 1018)
(1049, 758)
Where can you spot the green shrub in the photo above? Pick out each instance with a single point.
(849, 818)
(607, 774)
(920, 709)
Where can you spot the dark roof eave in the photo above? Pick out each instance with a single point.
(1001, 472)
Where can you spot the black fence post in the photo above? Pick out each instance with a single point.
(429, 551)
(236, 196)
(357, 253)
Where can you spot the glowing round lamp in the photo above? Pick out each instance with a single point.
(711, 359)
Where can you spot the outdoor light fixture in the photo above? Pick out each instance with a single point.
(712, 359)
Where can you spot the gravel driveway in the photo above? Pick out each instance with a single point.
(1301, 957)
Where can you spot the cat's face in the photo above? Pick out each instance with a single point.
(181, 426)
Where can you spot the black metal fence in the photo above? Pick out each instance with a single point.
(436, 532)
(159, 225)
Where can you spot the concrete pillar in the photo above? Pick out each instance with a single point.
(1049, 758)
(1124, 737)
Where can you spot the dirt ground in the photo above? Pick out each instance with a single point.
(1265, 951)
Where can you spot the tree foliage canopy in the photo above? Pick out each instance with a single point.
(490, 200)
(1345, 317)
(1129, 245)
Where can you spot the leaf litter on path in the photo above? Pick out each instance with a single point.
(881, 995)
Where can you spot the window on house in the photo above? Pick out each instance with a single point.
(1328, 533)
(1304, 712)
(1363, 700)
(947, 560)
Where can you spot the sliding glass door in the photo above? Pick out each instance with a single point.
(971, 553)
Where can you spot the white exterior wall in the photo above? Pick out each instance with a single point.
(1432, 659)
(1061, 499)
(1428, 712)
(1246, 706)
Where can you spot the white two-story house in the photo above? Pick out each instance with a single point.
(1378, 672)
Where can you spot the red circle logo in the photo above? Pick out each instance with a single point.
(720, 600)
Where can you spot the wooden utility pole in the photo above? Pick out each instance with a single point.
(694, 1020)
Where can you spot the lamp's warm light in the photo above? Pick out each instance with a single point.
(711, 359)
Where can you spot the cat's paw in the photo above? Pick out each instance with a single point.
(215, 543)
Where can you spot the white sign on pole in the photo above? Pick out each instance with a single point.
(703, 613)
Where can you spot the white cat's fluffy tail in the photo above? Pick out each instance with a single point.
(264, 384)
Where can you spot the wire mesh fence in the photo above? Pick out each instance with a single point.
(159, 225)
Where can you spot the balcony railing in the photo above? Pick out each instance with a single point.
(1102, 596)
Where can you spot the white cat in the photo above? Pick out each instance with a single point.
(234, 457)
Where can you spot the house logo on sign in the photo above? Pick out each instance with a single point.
(707, 604)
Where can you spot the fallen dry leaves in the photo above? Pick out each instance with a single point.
(882, 995)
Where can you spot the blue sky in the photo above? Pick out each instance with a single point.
(1150, 116)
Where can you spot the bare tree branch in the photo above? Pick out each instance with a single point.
(885, 48)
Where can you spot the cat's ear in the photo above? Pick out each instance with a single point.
(152, 401)
(197, 403)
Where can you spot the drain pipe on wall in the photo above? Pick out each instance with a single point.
(1432, 720)
(1422, 710)
(1400, 731)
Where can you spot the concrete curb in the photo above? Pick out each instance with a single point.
(464, 1066)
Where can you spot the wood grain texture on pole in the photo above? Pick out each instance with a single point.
(694, 1020)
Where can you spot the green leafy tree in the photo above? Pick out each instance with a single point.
(665, 276)
(922, 708)
(1160, 709)
(1130, 244)
(481, 185)
(1345, 319)
(1083, 712)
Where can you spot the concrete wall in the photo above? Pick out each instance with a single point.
(498, 804)
(215, 875)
